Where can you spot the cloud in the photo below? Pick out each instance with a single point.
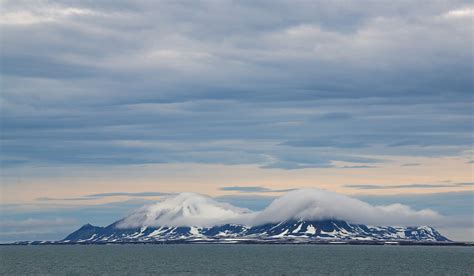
(455, 206)
(408, 186)
(188, 209)
(42, 221)
(65, 198)
(142, 194)
(291, 165)
(130, 83)
(316, 204)
(464, 12)
(464, 184)
(410, 164)
(103, 195)
(249, 201)
(42, 14)
(324, 142)
(253, 189)
(452, 204)
(36, 223)
(358, 167)
(34, 228)
(315, 72)
(185, 209)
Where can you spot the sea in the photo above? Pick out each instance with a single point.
(235, 259)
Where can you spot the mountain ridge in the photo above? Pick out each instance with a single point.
(300, 216)
(303, 215)
(302, 230)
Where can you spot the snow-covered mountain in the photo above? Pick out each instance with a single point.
(330, 230)
(192, 217)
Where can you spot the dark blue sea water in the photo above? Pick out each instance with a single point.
(236, 260)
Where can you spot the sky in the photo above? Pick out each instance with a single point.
(109, 105)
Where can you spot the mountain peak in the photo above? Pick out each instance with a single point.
(87, 225)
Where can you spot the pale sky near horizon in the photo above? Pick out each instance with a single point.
(108, 105)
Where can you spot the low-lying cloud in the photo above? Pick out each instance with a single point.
(316, 204)
(185, 209)
(104, 195)
(34, 229)
(409, 186)
(190, 209)
(131, 82)
(253, 189)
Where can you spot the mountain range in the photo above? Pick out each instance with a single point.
(195, 218)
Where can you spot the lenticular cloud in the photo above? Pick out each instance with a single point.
(189, 209)
(186, 209)
(316, 204)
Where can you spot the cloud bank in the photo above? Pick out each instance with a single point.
(140, 82)
(189, 209)
(253, 189)
(185, 209)
(34, 228)
(409, 186)
(316, 204)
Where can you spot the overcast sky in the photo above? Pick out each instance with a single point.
(106, 105)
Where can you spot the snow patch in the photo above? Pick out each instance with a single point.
(310, 230)
(282, 234)
(298, 228)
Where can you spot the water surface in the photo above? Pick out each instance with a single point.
(236, 259)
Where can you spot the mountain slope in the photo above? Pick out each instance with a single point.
(302, 230)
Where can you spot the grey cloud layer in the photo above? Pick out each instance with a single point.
(254, 189)
(409, 186)
(103, 195)
(279, 84)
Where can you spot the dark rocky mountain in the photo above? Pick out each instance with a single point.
(292, 230)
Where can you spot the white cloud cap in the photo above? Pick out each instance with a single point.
(317, 204)
(185, 209)
(190, 209)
